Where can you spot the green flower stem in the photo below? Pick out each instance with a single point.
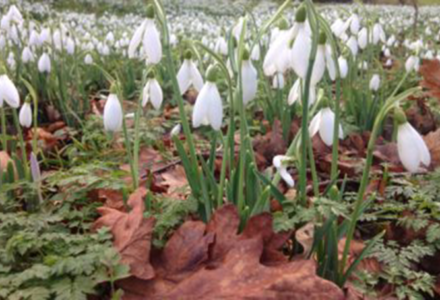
(22, 143)
(389, 105)
(4, 134)
(136, 146)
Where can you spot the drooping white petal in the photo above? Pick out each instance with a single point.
(184, 77)
(343, 67)
(25, 116)
(318, 66)
(363, 38)
(196, 77)
(112, 114)
(286, 177)
(425, 156)
(250, 81)
(215, 112)
(326, 126)
(407, 149)
(375, 83)
(9, 92)
(136, 39)
(330, 63)
(151, 43)
(274, 58)
(315, 124)
(301, 51)
(44, 64)
(352, 44)
(156, 95)
(295, 92)
(201, 107)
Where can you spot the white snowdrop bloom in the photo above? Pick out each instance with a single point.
(391, 40)
(354, 23)
(25, 116)
(44, 64)
(112, 114)
(278, 81)
(324, 60)
(88, 59)
(34, 39)
(236, 30)
(70, 46)
(412, 64)
(387, 52)
(279, 162)
(324, 122)
(296, 92)
(176, 130)
(389, 62)
(44, 36)
(148, 34)
(378, 34)
(5, 23)
(14, 14)
(363, 38)
(208, 109)
(189, 75)
(343, 67)
(173, 40)
(375, 83)
(249, 77)
(152, 93)
(221, 46)
(255, 54)
(339, 27)
(299, 55)
(411, 148)
(8, 92)
(429, 55)
(27, 55)
(277, 56)
(352, 44)
(11, 60)
(110, 38)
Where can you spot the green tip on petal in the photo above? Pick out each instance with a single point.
(334, 193)
(188, 54)
(301, 14)
(211, 74)
(246, 55)
(114, 88)
(400, 116)
(322, 38)
(150, 11)
(283, 24)
(28, 99)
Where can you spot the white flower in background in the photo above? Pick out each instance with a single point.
(8, 92)
(339, 27)
(25, 116)
(152, 93)
(412, 63)
(354, 23)
(14, 14)
(176, 130)
(148, 34)
(112, 114)
(295, 93)
(236, 30)
(88, 59)
(343, 67)
(375, 83)
(278, 55)
(11, 60)
(411, 148)
(378, 34)
(27, 55)
(208, 109)
(363, 38)
(44, 64)
(189, 75)
(324, 122)
(299, 55)
(278, 81)
(221, 46)
(324, 60)
(255, 54)
(44, 36)
(279, 162)
(387, 52)
(249, 77)
(70, 46)
(389, 62)
(110, 38)
(352, 44)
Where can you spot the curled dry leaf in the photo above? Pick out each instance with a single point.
(432, 141)
(430, 71)
(213, 261)
(132, 234)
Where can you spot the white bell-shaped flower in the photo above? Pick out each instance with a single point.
(249, 78)
(112, 114)
(44, 64)
(221, 47)
(8, 92)
(354, 23)
(148, 34)
(278, 81)
(375, 83)
(189, 75)
(27, 55)
(363, 38)
(343, 67)
(88, 59)
(296, 92)
(324, 122)
(208, 109)
(411, 148)
(352, 44)
(378, 34)
(412, 63)
(279, 162)
(324, 60)
(25, 116)
(152, 93)
(300, 53)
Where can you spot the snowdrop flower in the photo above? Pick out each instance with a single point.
(249, 77)
(25, 116)
(279, 162)
(236, 30)
(11, 60)
(189, 75)
(411, 147)
(176, 130)
(208, 109)
(278, 81)
(255, 54)
(389, 62)
(88, 59)
(221, 46)
(343, 67)
(70, 46)
(112, 114)
(44, 64)
(277, 57)
(296, 92)
(33, 39)
(338, 28)
(363, 38)
(352, 44)
(14, 14)
(354, 23)
(324, 122)
(27, 55)
(378, 34)
(412, 63)
(299, 55)
(152, 92)
(8, 92)
(375, 83)
(323, 61)
(149, 35)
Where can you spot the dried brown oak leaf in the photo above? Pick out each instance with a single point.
(215, 262)
(432, 141)
(430, 71)
(132, 234)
